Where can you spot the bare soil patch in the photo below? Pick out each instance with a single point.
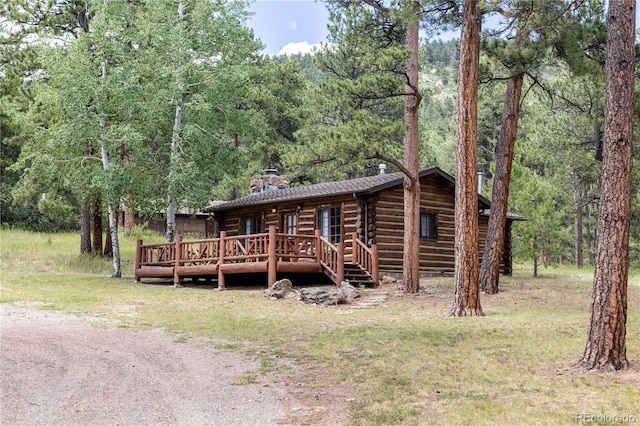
(58, 369)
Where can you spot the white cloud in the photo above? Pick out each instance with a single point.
(293, 25)
(299, 47)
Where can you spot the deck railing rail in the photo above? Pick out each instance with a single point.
(266, 252)
(366, 257)
(157, 254)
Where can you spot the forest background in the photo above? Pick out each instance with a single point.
(181, 104)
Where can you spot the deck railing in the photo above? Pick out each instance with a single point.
(332, 259)
(246, 248)
(200, 252)
(266, 252)
(366, 258)
(156, 254)
(296, 247)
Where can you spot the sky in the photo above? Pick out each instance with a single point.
(296, 26)
(289, 26)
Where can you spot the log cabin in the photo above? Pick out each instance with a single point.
(347, 230)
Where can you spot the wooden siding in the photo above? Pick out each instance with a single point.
(436, 256)
(376, 218)
(306, 217)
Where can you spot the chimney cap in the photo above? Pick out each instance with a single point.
(383, 168)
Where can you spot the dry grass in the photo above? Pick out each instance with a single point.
(402, 361)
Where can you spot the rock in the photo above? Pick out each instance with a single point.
(279, 289)
(386, 280)
(350, 291)
(323, 296)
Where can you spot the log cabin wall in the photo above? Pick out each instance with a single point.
(306, 212)
(436, 255)
(376, 218)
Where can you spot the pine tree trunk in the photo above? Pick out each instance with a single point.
(606, 340)
(588, 237)
(85, 227)
(466, 301)
(578, 224)
(129, 214)
(411, 254)
(108, 246)
(97, 226)
(494, 244)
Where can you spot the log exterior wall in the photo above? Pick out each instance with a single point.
(306, 212)
(376, 218)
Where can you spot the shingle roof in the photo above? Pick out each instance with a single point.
(366, 185)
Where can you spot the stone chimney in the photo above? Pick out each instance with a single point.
(269, 181)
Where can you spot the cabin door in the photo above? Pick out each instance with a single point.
(330, 223)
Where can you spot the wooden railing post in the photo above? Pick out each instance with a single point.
(355, 255)
(272, 259)
(178, 258)
(340, 265)
(136, 265)
(222, 249)
(318, 253)
(375, 274)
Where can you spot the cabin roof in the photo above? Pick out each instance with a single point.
(360, 186)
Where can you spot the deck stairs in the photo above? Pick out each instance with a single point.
(356, 276)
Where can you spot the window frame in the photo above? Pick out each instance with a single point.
(332, 229)
(287, 225)
(424, 226)
(256, 225)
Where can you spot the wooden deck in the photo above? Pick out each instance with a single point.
(270, 253)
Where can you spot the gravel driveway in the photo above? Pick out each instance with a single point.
(58, 370)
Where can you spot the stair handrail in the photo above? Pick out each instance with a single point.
(332, 259)
(366, 257)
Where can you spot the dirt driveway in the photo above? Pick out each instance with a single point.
(58, 370)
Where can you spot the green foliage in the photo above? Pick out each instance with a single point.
(200, 61)
(330, 115)
(357, 115)
(150, 63)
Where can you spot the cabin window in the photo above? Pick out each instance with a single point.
(330, 224)
(252, 225)
(291, 223)
(428, 229)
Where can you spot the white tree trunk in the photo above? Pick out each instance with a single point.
(113, 230)
(171, 197)
(175, 147)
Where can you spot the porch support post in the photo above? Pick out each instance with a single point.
(355, 250)
(318, 252)
(222, 249)
(138, 261)
(375, 274)
(272, 259)
(176, 264)
(340, 265)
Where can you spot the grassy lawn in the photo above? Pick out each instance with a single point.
(405, 362)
